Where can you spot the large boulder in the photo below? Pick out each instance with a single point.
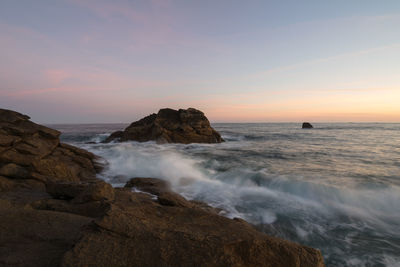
(170, 126)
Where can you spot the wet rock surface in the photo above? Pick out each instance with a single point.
(149, 185)
(170, 126)
(55, 212)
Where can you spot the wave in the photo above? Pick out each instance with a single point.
(232, 188)
(346, 219)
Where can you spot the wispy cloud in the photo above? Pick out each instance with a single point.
(56, 76)
(317, 61)
(148, 20)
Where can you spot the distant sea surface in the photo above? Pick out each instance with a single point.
(335, 187)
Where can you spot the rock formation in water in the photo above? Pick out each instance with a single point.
(307, 125)
(170, 126)
(55, 212)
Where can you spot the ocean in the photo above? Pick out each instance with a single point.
(335, 187)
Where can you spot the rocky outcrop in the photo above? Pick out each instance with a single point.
(32, 151)
(54, 212)
(34, 229)
(170, 126)
(307, 125)
(141, 231)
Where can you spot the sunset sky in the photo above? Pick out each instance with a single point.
(82, 61)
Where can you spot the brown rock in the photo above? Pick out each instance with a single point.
(160, 188)
(150, 185)
(81, 192)
(136, 231)
(307, 125)
(96, 191)
(117, 136)
(170, 126)
(93, 209)
(31, 237)
(29, 149)
(174, 200)
(14, 171)
(12, 116)
(6, 140)
(6, 184)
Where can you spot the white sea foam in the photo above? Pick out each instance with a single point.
(149, 160)
(99, 137)
(134, 189)
(234, 189)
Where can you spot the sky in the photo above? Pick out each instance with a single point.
(93, 61)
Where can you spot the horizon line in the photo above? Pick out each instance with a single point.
(270, 122)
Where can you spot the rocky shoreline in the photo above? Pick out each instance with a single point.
(55, 212)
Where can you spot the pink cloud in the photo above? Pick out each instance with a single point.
(81, 81)
(42, 91)
(56, 76)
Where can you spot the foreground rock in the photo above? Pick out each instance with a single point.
(170, 126)
(34, 152)
(54, 212)
(307, 125)
(31, 158)
(140, 231)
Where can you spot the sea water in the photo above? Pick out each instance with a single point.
(335, 187)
